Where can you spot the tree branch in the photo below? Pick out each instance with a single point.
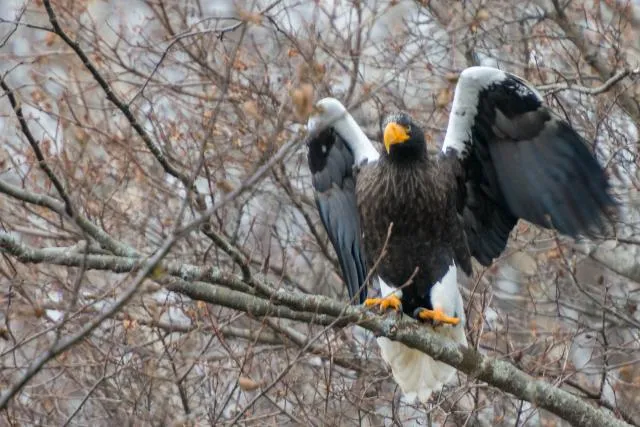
(85, 225)
(593, 57)
(321, 310)
(64, 343)
(35, 146)
(557, 87)
(111, 96)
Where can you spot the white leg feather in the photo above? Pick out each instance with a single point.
(418, 374)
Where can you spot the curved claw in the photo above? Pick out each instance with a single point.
(384, 303)
(436, 315)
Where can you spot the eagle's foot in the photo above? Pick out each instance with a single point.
(384, 303)
(436, 316)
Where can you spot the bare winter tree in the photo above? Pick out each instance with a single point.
(163, 262)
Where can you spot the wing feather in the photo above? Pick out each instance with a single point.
(331, 163)
(519, 160)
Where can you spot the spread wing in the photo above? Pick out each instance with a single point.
(331, 154)
(519, 160)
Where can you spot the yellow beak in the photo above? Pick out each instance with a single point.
(394, 134)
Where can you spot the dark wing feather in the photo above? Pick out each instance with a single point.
(520, 161)
(331, 164)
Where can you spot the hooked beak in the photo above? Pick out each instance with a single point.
(394, 134)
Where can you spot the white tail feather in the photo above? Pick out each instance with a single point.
(418, 374)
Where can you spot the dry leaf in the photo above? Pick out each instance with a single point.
(452, 77)
(129, 324)
(251, 108)
(302, 100)
(311, 72)
(482, 15)
(247, 384)
(38, 311)
(443, 98)
(319, 70)
(554, 253)
(262, 145)
(248, 16)
(50, 38)
(81, 135)
(239, 65)
(37, 96)
(225, 186)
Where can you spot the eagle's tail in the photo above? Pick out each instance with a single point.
(418, 374)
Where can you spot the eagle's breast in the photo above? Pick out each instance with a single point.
(418, 201)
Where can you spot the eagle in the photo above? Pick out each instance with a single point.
(413, 221)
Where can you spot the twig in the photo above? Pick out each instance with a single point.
(188, 34)
(297, 202)
(17, 108)
(237, 256)
(104, 239)
(253, 179)
(64, 343)
(111, 96)
(308, 345)
(592, 55)
(381, 255)
(557, 87)
(615, 313)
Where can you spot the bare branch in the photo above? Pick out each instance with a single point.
(64, 343)
(36, 148)
(289, 304)
(593, 57)
(606, 86)
(87, 226)
(111, 96)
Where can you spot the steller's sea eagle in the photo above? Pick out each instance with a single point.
(505, 156)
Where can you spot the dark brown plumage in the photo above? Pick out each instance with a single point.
(417, 194)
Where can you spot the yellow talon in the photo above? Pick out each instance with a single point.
(389, 301)
(438, 316)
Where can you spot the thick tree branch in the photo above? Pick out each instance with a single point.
(322, 310)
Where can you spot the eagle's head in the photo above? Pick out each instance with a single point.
(403, 139)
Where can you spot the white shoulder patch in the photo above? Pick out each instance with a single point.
(331, 112)
(465, 105)
(464, 110)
